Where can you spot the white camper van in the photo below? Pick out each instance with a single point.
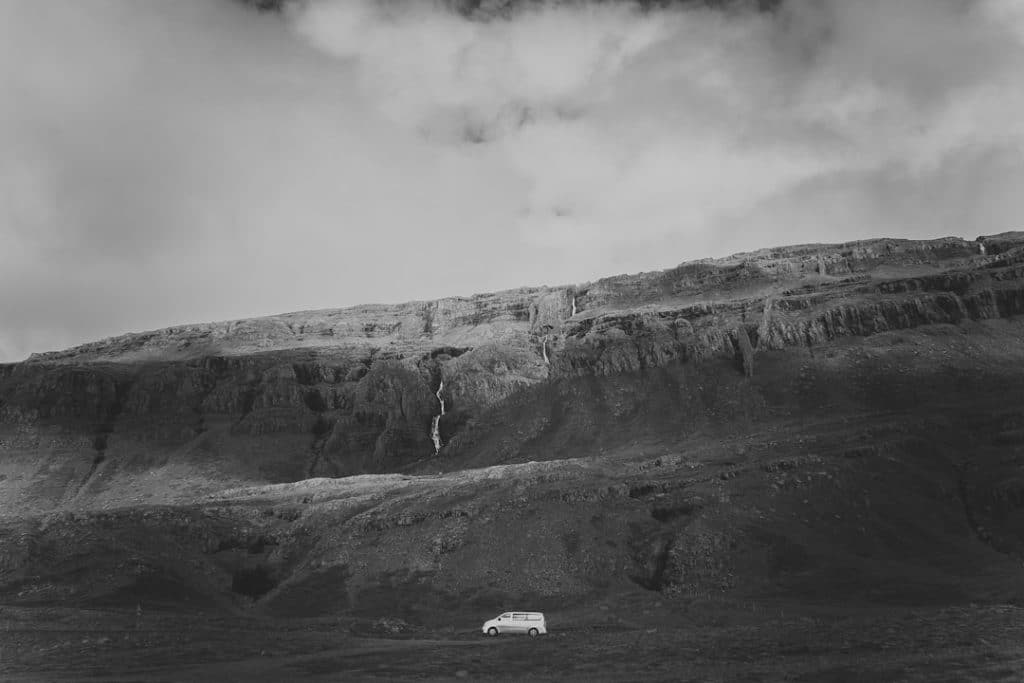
(530, 623)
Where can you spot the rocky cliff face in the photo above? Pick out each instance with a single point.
(331, 393)
(488, 9)
(752, 425)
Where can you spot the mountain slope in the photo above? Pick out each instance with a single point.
(822, 422)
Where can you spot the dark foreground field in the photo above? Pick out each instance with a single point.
(652, 640)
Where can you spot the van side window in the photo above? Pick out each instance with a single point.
(506, 615)
(518, 617)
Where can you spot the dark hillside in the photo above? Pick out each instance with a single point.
(824, 427)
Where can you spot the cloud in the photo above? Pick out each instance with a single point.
(676, 121)
(195, 160)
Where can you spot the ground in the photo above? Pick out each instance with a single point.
(628, 637)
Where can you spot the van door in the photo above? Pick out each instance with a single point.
(519, 623)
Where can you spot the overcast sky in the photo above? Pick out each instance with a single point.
(167, 162)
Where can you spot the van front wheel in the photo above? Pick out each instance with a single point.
(533, 632)
(492, 631)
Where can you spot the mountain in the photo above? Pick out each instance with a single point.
(814, 424)
(487, 9)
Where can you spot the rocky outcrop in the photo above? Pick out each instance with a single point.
(330, 393)
(550, 310)
(490, 9)
(402, 327)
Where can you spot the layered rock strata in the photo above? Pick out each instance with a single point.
(340, 392)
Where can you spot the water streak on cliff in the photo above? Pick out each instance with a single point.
(435, 426)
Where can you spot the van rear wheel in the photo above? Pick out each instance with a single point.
(533, 632)
(492, 631)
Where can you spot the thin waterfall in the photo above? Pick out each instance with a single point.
(435, 425)
(544, 349)
(435, 433)
(573, 307)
